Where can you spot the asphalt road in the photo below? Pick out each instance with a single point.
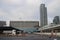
(31, 37)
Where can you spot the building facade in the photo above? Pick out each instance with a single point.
(43, 15)
(24, 25)
(56, 20)
(2, 23)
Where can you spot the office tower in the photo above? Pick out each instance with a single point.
(43, 15)
(56, 20)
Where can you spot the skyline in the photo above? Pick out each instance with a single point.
(27, 9)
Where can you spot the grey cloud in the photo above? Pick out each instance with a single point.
(53, 9)
(25, 8)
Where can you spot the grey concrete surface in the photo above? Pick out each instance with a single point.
(31, 37)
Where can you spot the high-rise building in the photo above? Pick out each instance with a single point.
(56, 20)
(43, 15)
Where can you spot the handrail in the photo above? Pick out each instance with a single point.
(47, 27)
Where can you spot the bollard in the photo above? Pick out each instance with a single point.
(41, 34)
(55, 33)
(51, 34)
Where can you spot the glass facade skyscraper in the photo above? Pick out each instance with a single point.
(56, 20)
(43, 15)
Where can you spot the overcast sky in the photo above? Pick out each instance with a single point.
(27, 9)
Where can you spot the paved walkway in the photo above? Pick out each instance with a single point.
(31, 37)
(57, 34)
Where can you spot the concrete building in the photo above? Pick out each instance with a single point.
(2, 23)
(19, 24)
(43, 15)
(24, 25)
(56, 20)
